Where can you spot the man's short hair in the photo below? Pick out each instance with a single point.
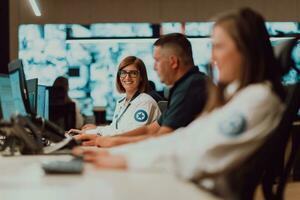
(180, 44)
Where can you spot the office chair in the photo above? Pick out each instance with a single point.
(156, 96)
(153, 93)
(266, 165)
(284, 131)
(285, 169)
(61, 112)
(162, 106)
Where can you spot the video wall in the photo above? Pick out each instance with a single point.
(89, 54)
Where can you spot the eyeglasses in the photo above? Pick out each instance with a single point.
(130, 73)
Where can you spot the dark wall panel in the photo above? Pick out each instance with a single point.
(4, 35)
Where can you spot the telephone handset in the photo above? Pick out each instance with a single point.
(31, 135)
(50, 130)
(21, 133)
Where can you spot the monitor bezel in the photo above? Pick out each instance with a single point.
(1, 110)
(32, 86)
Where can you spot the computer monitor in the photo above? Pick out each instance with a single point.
(19, 87)
(32, 86)
(41, 100)
(6, 97)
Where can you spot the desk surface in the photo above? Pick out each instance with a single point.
(23, 178)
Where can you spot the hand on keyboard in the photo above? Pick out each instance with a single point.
(73, 132)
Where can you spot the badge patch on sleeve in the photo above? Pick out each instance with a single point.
(233, 125)
(140, 116)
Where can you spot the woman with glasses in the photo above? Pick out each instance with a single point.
(133, 110)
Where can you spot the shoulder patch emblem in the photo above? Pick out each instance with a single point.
(233, 125)
(141, 115)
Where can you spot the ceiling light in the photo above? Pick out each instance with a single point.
(35, 8)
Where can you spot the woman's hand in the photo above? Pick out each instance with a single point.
(110, 161)
(89, 153)
(73, 132)
(88, 127)
(106, 141)
(87, 139)
(96, 140)
(101, 158)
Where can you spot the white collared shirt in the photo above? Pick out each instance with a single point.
(231, 89)
(142, 110)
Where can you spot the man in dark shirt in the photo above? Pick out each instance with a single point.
(187, 98)
(175, 67)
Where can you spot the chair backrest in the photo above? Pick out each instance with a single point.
(63, 115)
(283, 54)
(57, 95)
(61, 110)
(156, 96)
(162, 106)
(292, 115)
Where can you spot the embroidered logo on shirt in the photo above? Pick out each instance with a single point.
(233, 125)
(140, 116)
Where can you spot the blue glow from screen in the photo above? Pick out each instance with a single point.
(16, 93)
(6, 98)
(41, 100)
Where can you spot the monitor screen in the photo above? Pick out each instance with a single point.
(19, 86)
(16, 93)
(32, 85)
(41, 97)
(6, 97)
